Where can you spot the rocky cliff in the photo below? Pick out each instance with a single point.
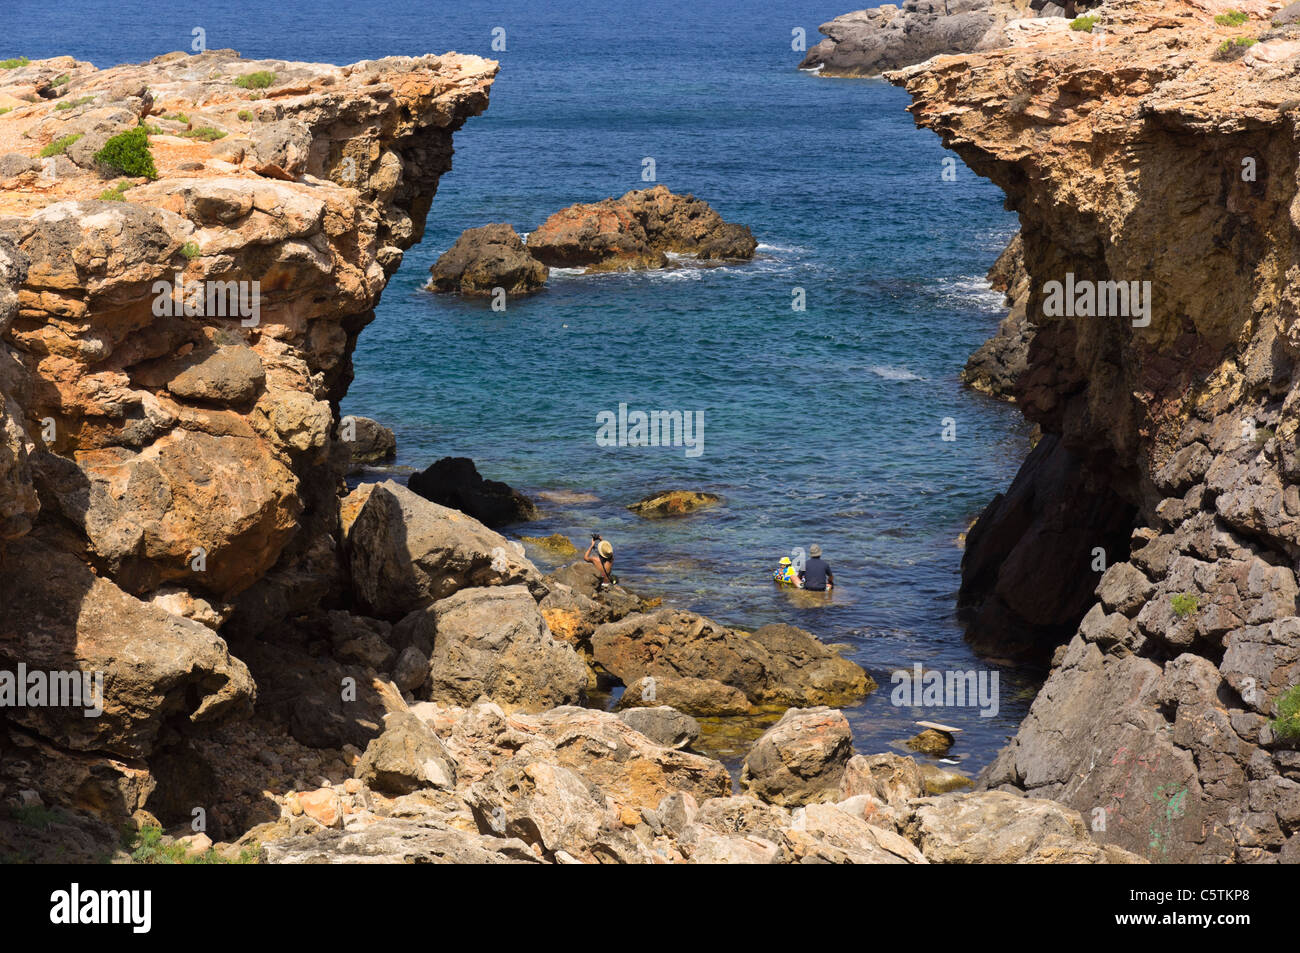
(178, 308)
(869, 42)
(1159, 149)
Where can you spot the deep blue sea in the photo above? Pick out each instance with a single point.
(822, 426)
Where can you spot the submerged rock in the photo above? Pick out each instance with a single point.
(455, 482)
(673, 503)
(486, 258)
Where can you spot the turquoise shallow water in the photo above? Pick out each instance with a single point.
(822, 426)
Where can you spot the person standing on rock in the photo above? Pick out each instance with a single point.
(816, 574)
(604, 562)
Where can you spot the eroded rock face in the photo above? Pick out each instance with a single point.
(637, 231)
(483, 259)
(996, 365)
(1125, 163)
(171, 365)
(869, 42)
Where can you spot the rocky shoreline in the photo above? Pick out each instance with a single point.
(342, 678)
(1149, 543)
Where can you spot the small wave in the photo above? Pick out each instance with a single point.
(894, 373)
(568, 271)
(813, 69)
(788, 249)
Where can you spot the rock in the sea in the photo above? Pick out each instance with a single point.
(493, 643)
(775, 665)
(368, 441)
(455, 482)
(868, 42)
(673, 503)
(483, 259)
(405, 552)
(801, 759)
(662, 724)
(637, 231)
(931, 742)
(556, 543)
(406, 757)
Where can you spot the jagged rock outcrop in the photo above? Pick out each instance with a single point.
(456, 482)
(994, 368)
(869, 42)
(174, 342)
(1152, 158)
(638, 231)
(486, 258)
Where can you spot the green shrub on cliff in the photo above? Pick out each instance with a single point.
(59, 146)
(1286, 726)
(14, 63)
(1085, 23)
(206, 133)
(1184, 604)
(259, 80)
(1231, 18)
(116, 194)
(128, 152)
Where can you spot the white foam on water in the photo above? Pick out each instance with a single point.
(894, 373)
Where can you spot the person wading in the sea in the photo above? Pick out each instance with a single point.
(604, 562)
(817, 575)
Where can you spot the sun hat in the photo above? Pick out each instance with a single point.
(814, 550)
(605, 548)
(785, 560)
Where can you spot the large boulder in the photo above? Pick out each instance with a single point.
(405, 552)
(662, 724)
(406, 757)
(776, 665)
(368, 441)
(637, 231)
(493, 643)
(455, 482)
(633, 769)
(706, 697)
(483, 259)
(800, 759)
(993, 827)
(156, 668)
